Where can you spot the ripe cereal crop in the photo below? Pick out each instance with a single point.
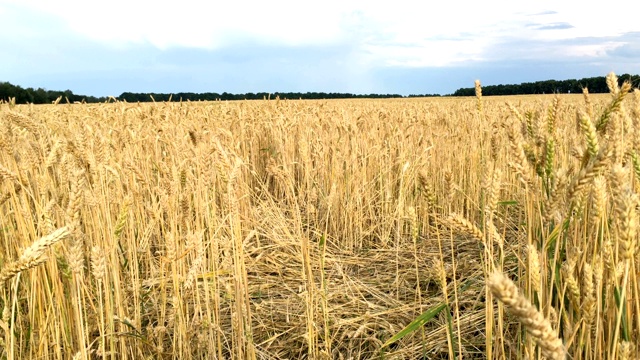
(436, 228)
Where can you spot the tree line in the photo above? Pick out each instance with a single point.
(594, 84)
(10, 93)
(212, 96)
(19, 95)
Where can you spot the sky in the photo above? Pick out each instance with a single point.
(401, 47)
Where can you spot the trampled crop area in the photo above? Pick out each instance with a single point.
(506, 226)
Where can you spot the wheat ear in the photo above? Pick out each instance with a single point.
(464, 226)
(534, 322)
(33, 255)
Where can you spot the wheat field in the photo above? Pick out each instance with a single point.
(440, 228)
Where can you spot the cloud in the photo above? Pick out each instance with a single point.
(447, 80)
(407, 34)
(513, 60)
(100, 70)
(612, 49)
(542, 13)
(360, 46)
(194, 23)
(629, 50)
(551, 26)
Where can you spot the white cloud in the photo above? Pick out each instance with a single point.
(195, 23)
(402, 33)
(448, 33)
(595, 50)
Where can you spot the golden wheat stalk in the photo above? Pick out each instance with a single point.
(534, 269)
(618, 94)
(33, 255)
(588, 312)
(534, 322)
(478, 88)
(590, 133)
(23, 121)
(588, 173)
(6, 174)
(460, 224)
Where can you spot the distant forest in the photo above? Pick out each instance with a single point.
(19, 95)
(594, 84)
(187, 96)
(42, 96)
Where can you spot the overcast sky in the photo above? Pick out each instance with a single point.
(405, 47)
